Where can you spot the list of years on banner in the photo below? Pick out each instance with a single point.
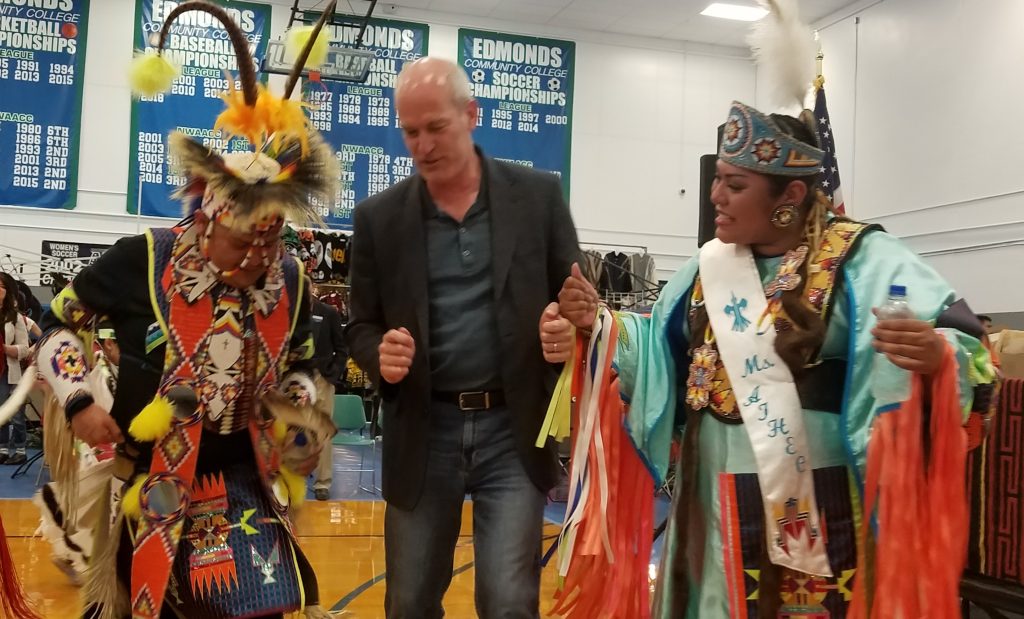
(359, 120)
(384, 169)
(38, 46)
(41, 157)
(154, 165)
(199, 45)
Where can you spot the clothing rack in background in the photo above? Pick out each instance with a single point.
(336, 295)
(616, 245)
(619, 285)
(324, 253)
(649, 284)
(329, 286)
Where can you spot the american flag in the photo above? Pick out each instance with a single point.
(829, 165)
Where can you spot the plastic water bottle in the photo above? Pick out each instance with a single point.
(891, 384)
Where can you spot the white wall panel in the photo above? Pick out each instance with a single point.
(935, 153)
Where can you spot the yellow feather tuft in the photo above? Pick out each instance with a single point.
(283, 119)
(151, 74)
(153, 421)
(280, 430)
(296, 487)
(238, 118)
(297, 39)
(131, 503)
(288, 122)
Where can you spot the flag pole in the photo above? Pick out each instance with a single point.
(820, 80)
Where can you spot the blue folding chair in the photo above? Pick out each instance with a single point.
(350, 419)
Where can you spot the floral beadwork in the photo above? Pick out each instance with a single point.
(701, 378)
(786, 279)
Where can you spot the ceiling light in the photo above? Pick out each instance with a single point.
(734, 11)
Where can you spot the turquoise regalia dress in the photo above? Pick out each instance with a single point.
(850, 276)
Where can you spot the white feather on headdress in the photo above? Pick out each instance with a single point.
(784, 49)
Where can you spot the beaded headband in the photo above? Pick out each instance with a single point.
(753, 141)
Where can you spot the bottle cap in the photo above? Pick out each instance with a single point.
(897, 291)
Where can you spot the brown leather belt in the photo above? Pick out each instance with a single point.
(471, 400)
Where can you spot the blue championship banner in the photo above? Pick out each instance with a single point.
(200, 46)
(524, 86)
(359, 120)
(42, 62)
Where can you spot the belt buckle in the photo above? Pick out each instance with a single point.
(468, 408)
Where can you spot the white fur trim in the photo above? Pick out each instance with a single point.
(299, 387)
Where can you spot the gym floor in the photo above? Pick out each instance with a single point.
(343, 538)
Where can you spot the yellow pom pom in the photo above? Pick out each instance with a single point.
(153, 421)
(151, 74)
(296, 487)
(131, 505)
(297, 39)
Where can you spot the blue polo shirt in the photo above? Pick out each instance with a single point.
(463, 326)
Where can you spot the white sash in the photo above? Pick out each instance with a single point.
(769, 404)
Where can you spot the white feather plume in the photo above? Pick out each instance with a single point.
(785, 51)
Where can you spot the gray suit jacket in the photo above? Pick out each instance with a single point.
(534, 245)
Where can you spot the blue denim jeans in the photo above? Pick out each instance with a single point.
(12, 433)
(470, 453)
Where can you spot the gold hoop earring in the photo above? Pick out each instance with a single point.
(783, 216)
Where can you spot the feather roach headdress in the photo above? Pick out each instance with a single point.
(290, 166)
(783, 47)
